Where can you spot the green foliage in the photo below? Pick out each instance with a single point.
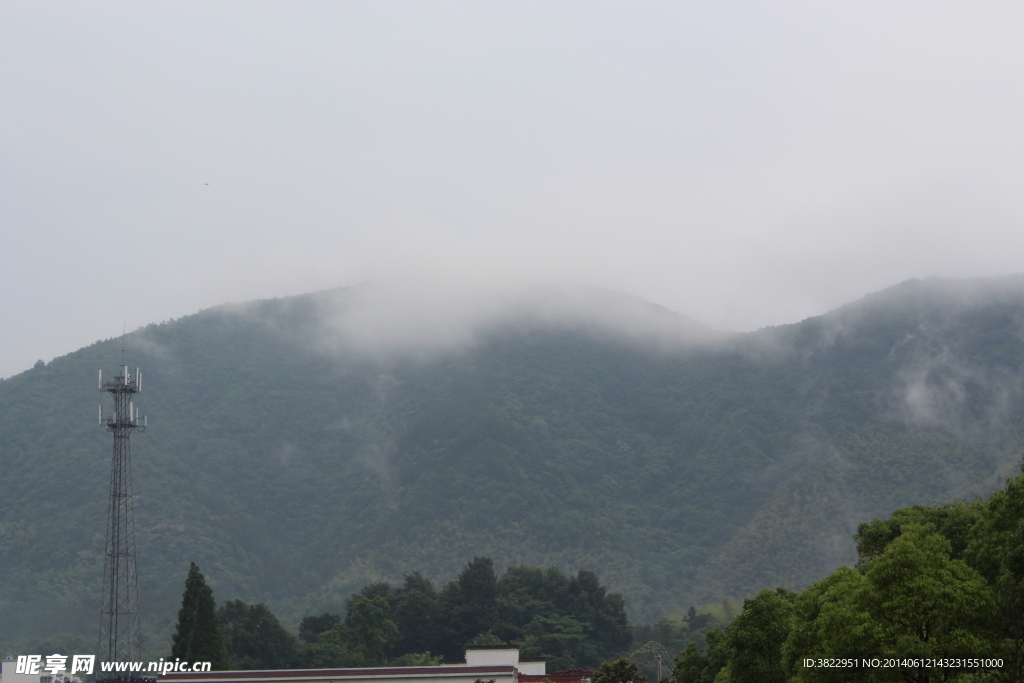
(924, 602)
(415, 659)
(694, 666)
(825, 623)
(487, 639)
(364, 639)
(996, 549)
(621, 670)
(470, 604)
(757, 635)
(953, 521)
(254, 638)
(416, 612)
(565, 620)
(312, 626)
(675, 632)
(679, 470)
(334, 648)
(197, 637)
(370, 630)
(939, 582)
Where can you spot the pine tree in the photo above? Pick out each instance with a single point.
(197, 637)
(187, 613)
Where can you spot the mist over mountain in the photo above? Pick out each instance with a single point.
(299, 448)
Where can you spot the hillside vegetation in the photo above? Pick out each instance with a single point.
(302, 448)
(937, 595)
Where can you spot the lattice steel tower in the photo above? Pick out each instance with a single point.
(119, 611)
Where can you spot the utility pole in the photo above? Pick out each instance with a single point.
(120, 639)
(656, 651)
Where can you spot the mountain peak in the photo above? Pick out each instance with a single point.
(419, 317)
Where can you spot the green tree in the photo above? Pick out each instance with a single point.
(470, 603)
(997, 551)
(363, 639)
(622, 670)
(828, 621)
(561, 641)
(757, 634)
(416, 613)
(311, 627)
(925, 603)
(197, 636)
(255, 638)
(954, 521)
(486, 640)
(913, 601)
(371, 628)
(333, 648)
(693, 666)
(567, 621)
(603, 614)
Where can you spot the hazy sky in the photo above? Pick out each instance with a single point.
(743, 163)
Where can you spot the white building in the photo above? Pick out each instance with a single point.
(9, 674)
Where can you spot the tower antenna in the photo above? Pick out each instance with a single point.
(120, 637)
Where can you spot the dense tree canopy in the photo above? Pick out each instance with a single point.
(679, 471)
(565, 620)
(939, 582)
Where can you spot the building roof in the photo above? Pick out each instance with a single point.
(402, 672)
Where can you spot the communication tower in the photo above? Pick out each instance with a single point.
(119, 611)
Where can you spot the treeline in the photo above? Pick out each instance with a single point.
(672, 634)
(564, 620)
(932, 582)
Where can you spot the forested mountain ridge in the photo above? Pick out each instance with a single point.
(300, 448)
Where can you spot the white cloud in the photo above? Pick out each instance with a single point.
(744, 164)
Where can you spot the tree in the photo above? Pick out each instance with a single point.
(757, 634)
(622, 670)
(197, 636)
(333, 648)
(471, 604)
(311, 627)
(486, 639)
(997, 551)
(363, 639)
(826, 621)
(604, 614)
(913, 601)
(692, 666)
(371, 629)
(925, 603)
(566, 620)
(255, 638)
(954, 521)
(416, 613)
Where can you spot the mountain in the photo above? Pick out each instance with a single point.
(299, 448)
